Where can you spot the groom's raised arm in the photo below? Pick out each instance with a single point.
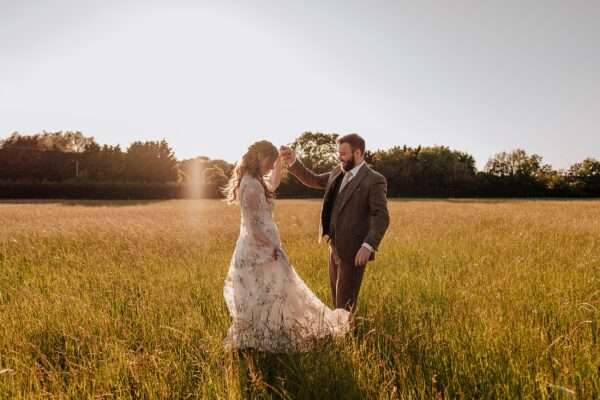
(307, 177)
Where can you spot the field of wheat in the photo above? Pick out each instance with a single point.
(466, 299)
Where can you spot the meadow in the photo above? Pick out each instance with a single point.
(466, 299)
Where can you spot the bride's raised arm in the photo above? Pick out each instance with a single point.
(274, 178)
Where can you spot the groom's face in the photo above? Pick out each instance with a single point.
(346, 156)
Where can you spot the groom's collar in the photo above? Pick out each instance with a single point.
(356, 169)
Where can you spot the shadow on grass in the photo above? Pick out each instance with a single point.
(110, 203)
(489, 200)
(84, 203)
(324, 373)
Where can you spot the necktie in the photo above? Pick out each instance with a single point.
(347, 177)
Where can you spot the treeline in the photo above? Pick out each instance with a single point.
(438, 171)
(72, 165)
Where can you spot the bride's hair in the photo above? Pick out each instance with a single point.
(250, 164)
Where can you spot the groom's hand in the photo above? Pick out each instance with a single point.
(362, 257)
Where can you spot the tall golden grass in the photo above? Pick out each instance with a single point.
(467, 299)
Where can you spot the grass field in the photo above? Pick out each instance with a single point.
(467, 299)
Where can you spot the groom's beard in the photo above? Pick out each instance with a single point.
(348, 165)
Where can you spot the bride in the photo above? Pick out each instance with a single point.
(271, 307)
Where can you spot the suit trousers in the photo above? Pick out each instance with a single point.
(345, 279)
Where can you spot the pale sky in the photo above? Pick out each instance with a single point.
(211, 77)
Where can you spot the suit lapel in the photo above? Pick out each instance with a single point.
(334, 176)
(350, 186)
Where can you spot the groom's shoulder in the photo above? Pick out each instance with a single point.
(332, 174)
(376, 176)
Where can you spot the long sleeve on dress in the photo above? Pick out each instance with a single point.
(274, 178)
(250, 202)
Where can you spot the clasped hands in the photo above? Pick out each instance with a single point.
(287, 154)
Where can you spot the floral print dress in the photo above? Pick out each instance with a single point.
(271, 307)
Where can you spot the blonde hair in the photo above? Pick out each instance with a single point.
(250, 164)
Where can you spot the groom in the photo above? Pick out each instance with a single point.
(354, 214)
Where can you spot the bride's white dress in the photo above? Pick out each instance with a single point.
(271, 307)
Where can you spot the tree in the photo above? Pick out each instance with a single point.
(106, 163)
(517, 174)
(17, 141)
(584, 177)
(424, 171)
(318, 151)
(150, 162)
(46, 156)
(214, 180)
(193, 170)
(514, 163)
(68, 142)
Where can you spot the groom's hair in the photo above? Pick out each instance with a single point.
(354, 140)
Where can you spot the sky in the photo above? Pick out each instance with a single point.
(212, 77)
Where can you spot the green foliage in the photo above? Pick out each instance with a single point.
(436, 171)
(514, 163)
(318, 151)
(425, 170)
(150, 162)
(103, 164)
(584, 177)
(68, 141)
